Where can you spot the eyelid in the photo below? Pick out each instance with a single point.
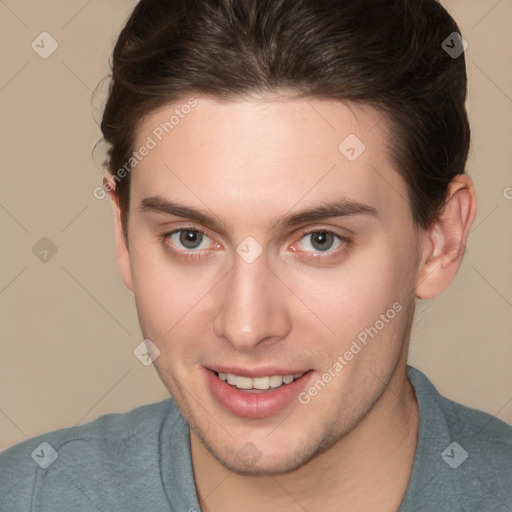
(323, 229)
(345, 241)
(201, 253)
(196, 230)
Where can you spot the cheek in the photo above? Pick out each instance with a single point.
(160, 293)
(172, 300)
(176, 303)
(353, 296)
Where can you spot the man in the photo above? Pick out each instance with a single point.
(282, 198)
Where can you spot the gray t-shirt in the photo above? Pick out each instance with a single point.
(140, 461)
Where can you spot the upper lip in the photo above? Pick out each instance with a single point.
(266, 371)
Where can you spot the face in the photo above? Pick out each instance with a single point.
(266, 247)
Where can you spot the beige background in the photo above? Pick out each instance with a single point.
(69, 327)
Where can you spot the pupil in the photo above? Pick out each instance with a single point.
(322, 240)
(189, 239)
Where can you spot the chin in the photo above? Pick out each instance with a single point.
(266, 465)
(249, 460)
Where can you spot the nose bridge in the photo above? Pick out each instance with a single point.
(250, 307)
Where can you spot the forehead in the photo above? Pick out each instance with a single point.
(266, 154)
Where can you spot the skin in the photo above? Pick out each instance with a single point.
(249, 163)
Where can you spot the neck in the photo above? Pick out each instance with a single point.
(368, 469)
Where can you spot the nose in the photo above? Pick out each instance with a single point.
(251, 308)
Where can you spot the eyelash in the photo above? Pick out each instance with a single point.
(203, 254)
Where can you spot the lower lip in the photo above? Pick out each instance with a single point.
(254, 405)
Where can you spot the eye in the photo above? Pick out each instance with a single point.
(322, 241)
(187, 240)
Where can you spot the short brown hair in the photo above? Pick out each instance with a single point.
(385, 53)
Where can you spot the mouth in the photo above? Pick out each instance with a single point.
(258, 384)
(257, 394)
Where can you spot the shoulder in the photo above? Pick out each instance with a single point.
(482, 432)
(64, 468)
(482, 443)
(103, 433)
(467, 453)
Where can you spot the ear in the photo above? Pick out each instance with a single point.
(446, 239)
(123, 253)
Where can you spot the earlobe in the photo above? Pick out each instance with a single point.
(447, 237)
(123, 254)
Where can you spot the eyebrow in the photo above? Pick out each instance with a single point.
(339, 208)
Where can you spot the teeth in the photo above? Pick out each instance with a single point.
(276, 381)
(262, 383)
(287, 379)
(243, 383)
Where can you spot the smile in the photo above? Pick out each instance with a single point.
(258, 395)
(258, 383)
